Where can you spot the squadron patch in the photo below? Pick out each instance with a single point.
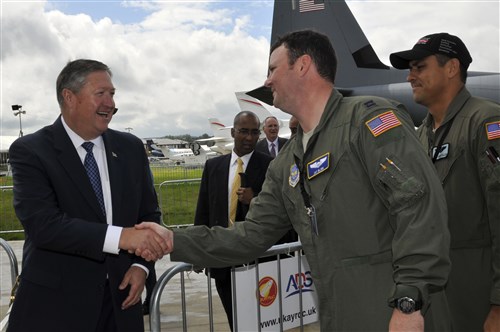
(294, 177)
(318, 165)
(493, 130)
(382, 123)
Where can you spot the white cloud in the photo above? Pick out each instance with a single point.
(172, 71)
(393, 26)
(183, 61)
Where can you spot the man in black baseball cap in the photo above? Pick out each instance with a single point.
(438, 43)
(461, 136)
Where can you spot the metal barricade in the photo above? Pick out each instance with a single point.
(177, 199)
(14, 268)
(155, 316)
(14, 273)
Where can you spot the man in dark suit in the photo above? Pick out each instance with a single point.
(213, 207)
(272, 144)
(78, 272)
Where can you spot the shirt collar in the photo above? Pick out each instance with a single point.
(245, 158)
(455, 106)
(77, 140)
(270, 142)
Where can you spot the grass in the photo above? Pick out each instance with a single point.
(177, 200)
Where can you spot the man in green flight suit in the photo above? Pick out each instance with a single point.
(462, 136)
(356, 186)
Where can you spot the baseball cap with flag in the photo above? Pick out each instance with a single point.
(438, 43)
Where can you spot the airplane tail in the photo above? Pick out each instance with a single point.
(197, 149)
(248, 103)
(166, 151)
(153, 149)
(218, 128)
(150, 145)
(334, 18)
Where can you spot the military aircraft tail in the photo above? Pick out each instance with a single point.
(359, 70)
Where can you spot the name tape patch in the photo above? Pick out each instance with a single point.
(318, 165)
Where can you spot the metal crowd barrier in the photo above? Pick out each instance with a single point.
(14, 268)
(178, 200)
(14, 273)
(155, 316)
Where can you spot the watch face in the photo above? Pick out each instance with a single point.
(406, 305)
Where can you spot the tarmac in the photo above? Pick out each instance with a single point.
(197, 315)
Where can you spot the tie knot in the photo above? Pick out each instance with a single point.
(88, 146)
(239, 161)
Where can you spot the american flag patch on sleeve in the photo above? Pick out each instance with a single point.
(382, 123)
(493, 130)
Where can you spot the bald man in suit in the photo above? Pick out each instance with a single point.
(213, 207)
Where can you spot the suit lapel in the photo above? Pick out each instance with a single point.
(221, 186)
(254, 168)
(223, 170)
(71, 163)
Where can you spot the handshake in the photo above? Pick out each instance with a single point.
(149, 240)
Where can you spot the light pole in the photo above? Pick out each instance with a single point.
(17, 109)
(129, 129)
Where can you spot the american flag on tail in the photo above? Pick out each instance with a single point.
(311, 5)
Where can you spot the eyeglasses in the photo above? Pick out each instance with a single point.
(246, 132)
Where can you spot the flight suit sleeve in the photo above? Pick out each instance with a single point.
(405, 180)
(488, 165)
(265, 224)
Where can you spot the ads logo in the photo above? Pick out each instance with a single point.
(268, 291)
(299, 282)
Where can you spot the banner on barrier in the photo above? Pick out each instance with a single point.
(268, 294)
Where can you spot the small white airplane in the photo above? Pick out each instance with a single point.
(222, 141)
(196, 155)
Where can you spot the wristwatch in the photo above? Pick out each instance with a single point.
(407, 305)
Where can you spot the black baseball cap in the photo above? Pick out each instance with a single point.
(438, 43)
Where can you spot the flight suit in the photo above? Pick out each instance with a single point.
(380, 211)
(471, 182)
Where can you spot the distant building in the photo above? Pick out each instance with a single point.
(5, 142)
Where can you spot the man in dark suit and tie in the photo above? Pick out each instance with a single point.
(214, 201)
(272, 144)
(79, 189)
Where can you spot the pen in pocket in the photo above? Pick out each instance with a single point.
(492, 155)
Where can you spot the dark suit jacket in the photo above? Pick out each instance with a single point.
(212, 208)
(64, 268)
(264, 148)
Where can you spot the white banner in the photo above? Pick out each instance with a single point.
(268, 293)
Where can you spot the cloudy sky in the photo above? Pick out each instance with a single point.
(177, 63)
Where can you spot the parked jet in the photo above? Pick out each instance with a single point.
(182, 156)
(360, 71)
(222, 141)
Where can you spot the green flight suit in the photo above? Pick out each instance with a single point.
(471, 182)
(382, 226)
